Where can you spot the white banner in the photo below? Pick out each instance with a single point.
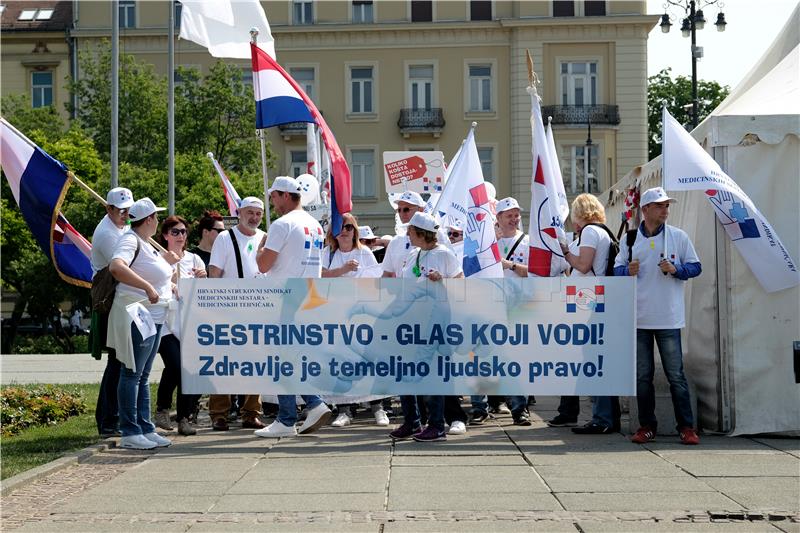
(335, 336)
(688, 167)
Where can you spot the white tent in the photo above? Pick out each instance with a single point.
(739, 339)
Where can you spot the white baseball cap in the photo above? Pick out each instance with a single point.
(252, 201)
(365, 232)
(455, 223)
(505, 204)
(655, 195)
(120, 197)
(143, 208)
(423, 221)
(285, 184)
(411, 197)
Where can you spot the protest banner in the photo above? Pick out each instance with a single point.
(421, 172)
(408, 336)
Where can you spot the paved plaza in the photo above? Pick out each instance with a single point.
(498, 477)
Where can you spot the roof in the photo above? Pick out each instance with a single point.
(59, 19)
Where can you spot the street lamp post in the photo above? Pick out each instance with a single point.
(588, 177)
(689, 26)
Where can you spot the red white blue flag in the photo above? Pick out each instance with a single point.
(232, 198)
(39, 184)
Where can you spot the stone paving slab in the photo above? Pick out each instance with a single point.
(737, 527)
(652, 501)
(467, 501)
(121, 486)
(651, 470)
(457, 460)
(282, 527)
(738, 464)
(712, 445)
(88, 524)
(190, 470)
(465, 526)
(624, 458)
(249, 503)
(789, 445)
(97, 499)
(489, 479)
(759, 493)
(255, 483)
(321, 463)
(685, 483)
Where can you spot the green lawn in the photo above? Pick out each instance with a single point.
(36, 446)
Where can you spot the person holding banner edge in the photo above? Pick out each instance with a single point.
(660, 310)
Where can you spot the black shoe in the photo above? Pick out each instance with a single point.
(562, 421)
(593, 429)
(522, 419)
(478, 418)
(531, 400)
(109, 433)
(220, 424)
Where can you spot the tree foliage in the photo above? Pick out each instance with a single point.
(677, 93)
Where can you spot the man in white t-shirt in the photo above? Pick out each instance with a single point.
(398, 250)
(511, 241)
(292, 250)
(104, 241)
(662, 258)
(226, 263)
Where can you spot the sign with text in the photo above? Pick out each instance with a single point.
(422, 172)
(550, 336)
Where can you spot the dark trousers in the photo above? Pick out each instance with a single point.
(170, 350)
(570, 406)
(106, 413)
(453, 411)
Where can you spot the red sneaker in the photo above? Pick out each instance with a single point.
(689, 436)
(643, 435)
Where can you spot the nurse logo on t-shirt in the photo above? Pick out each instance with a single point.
(313, 238)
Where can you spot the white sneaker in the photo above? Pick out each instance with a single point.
(160, 441)
(381, 418)
(457, 428)
(317, 417)
(136, 442)
(275, 430)
(342, 420)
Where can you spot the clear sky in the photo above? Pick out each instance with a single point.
(728, 55)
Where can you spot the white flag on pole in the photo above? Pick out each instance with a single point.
(688, 167)
(558, 180)
(223, 26)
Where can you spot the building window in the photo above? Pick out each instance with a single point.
(303, 12)
(299, 163)
(594, 8)
(362, 12)
(42, 88)
(563, 8)
(421, 10)
(486, 155)
(127, 14)
(579, 83)
(480, 10)
(480, 87)
(247, 76)
(34, 14)
(304, 76)
(579, 177)
(361, 86)
(420, 86)
(362, 169)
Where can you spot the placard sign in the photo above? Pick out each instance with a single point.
(422, 172)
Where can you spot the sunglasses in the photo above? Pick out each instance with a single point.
(175, 232)
(216, 229)
(348, 227)
(454, 233)
(403, 209)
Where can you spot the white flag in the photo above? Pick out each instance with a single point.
(555, 169)
(223, 26)
(687, 167)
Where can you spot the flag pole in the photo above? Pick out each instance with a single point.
(663, 173)
(447, 183)
(171, 109)
(262, 138)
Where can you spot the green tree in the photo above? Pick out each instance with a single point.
(677, 93)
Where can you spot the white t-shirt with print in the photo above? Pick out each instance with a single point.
(151, 267)
(596, 238)
(298, 239)
(659, 298)
(364, 256)
(224, 258)
(440, 259)
(104, 242)
(396, 254)
(188, 262)
(520, 255)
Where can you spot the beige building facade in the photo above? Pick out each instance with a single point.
(393, 75)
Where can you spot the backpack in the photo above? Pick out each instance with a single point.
(104, 287)
(613, 250)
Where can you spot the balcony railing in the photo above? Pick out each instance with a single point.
(581, 114)
(421, 121)
(293, 129)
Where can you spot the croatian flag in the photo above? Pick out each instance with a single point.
(39, 184)
(687, 167)
(232, 198)
(547, 228)
(280, 100)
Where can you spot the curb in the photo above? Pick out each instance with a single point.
(29, 476)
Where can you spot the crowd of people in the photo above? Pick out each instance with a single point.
(660, 256)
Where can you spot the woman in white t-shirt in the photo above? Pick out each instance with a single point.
(345, 256)
(174, 235)
(140, 309)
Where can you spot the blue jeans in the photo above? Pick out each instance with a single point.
(669, 346)
(517, 404)
(133, 392)
(605, 411)
(435, 405)
(287, 407)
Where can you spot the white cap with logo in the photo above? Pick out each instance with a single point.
(143, 208)
(285, 184)
(120, 197)
(410, 197)
(655, 195)
(505, 204)
(423, 221)
(252, 201)
(365, 232)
